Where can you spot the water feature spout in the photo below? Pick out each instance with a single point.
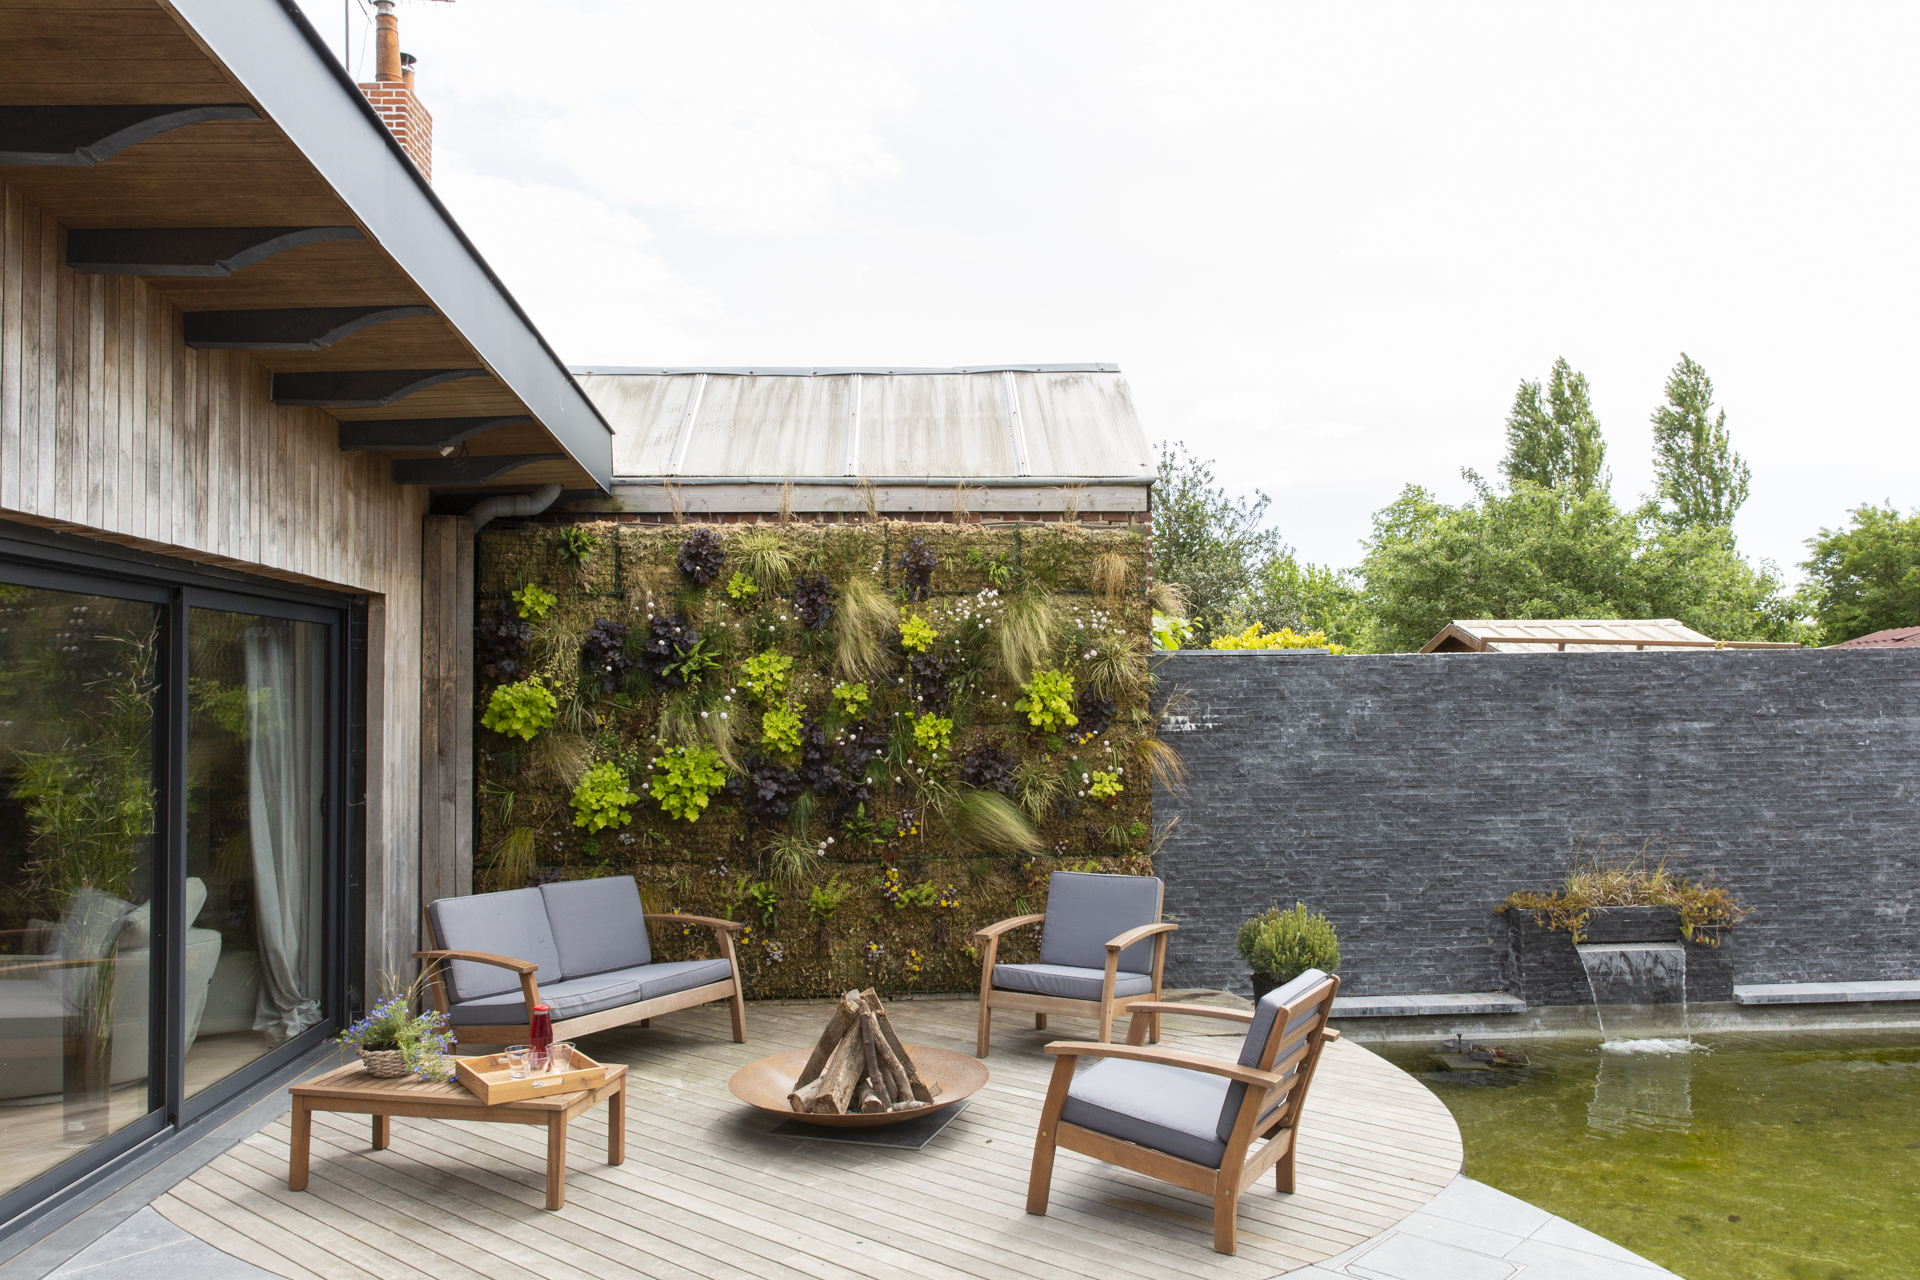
(1645, 983)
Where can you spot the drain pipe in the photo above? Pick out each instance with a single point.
(519, 504)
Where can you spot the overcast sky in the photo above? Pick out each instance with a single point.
(1323, 242)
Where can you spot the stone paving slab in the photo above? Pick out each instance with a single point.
(1427, 1006)
(1824, 992)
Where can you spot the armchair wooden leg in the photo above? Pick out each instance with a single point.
(1226, 1214)
(1283, 1168)
(1040, 1181)
(986, 1028)
(739, 1004)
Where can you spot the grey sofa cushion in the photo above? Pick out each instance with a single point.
(1068, 981)
(1166, 1108)
(512, 924)
(670, 977)
(599, 925)
(570, 999)
(1255, 1044)
(1086, 911)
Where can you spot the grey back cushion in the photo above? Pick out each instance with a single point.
(599, 925)
(511, 924)
(1085, 911)
(1255, 1044)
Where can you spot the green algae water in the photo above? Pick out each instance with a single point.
(1749, 1157)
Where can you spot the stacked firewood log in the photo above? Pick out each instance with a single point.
(859, 1065)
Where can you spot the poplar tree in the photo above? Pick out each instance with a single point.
(1702, 480)
(1555, 442)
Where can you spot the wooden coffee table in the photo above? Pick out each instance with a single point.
(354, 1090)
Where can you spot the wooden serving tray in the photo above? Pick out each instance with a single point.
(488, 1078)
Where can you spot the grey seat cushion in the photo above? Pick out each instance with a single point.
(1166, 1108)
(570, 999)
(670, 977)
(578, 997)
(1068, 981)
(511, 924)
(1255, 1044)
(599, 925)
(1085, 911)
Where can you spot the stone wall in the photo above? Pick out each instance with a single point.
(1407, 795)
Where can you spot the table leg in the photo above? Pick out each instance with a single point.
(382, 1132)
(302, 1145)
(617, 1125)
(556, 1159)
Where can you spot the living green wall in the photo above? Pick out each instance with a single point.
(882, 865)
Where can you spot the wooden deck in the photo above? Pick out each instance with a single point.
(707, 1191)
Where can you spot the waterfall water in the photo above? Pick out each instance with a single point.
(1645, 983)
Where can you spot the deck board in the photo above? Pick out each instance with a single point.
(707, 1191)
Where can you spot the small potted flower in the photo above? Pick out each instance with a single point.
(1279, 946)
(393, 1042)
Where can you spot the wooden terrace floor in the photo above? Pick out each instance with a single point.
(707, 1191)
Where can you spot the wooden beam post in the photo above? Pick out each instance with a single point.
(446, 707)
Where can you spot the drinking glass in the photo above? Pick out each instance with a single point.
(517, 1062)
(537, 1061)
(562, 1055)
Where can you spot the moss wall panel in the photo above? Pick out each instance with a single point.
(867, 844)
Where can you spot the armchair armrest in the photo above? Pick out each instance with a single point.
(481, 957)
(1171, 1058)
(993, 931)
(722, 926)
(1132, 936)
(1197, 1010)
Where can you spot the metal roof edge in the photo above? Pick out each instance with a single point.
(278, 57)
(799, 371)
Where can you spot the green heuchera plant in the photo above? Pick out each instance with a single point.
(1103, 785)
(933, 733)
(1049, 701)
(741, 587)
(852, 697)
(520, 710)
(1285, 944)
(684, 779)
(602, 799)
(534, 601)
(780, 729)
(767, 674)
(917, 634)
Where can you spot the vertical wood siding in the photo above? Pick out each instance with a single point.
(111, 427)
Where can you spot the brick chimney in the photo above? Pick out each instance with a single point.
(391, 92)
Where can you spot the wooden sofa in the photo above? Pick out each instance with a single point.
(580, 946)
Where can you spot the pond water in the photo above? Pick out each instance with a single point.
(1727, 1157)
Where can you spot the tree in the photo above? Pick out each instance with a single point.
(1866, 578)
(1210, 544)
(1306, 597)
(1701, 478)
(1556, 445)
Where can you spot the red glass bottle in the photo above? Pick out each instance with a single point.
(540, 1029)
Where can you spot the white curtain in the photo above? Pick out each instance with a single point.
(286, 767)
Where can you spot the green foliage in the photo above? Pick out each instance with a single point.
(1049, 701)
(1607, 876)
(1207, 542)
(1285, 638)
(602, 799)
(534, 601)
(425, 1040)
(1865, 578)
(1285, 944)
(575, 543)
(741, 588)
(768, 559)
(1170, 632)
(852, 698)
(917, 634)
(1702, 480)
(932, 732)
(986, 820)
(780, 729)
(684, 780)
(766, 674)
(520, 710)
(825, 899)
(1103, 784)
(766, 902)
(1556, 445)
(792, 860)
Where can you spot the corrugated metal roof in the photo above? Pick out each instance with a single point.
(1576, 635)
(1892, 638)
(1047, 422)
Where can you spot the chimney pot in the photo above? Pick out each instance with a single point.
(407, 62)
(386, 42)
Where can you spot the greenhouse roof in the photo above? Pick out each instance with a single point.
(1031, 424)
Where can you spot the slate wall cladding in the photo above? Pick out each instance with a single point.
(1406, 795)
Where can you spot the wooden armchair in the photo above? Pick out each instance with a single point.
(1185, 1118)
(586, 941)
(1103, 947)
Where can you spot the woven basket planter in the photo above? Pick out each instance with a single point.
(388, 1064)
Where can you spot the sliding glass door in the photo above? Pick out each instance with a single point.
(172, 872)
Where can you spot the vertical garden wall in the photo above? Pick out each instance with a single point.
(863, 741)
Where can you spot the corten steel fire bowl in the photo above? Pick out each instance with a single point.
(765, 1085)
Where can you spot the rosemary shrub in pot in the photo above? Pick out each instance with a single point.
(1279, 946)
